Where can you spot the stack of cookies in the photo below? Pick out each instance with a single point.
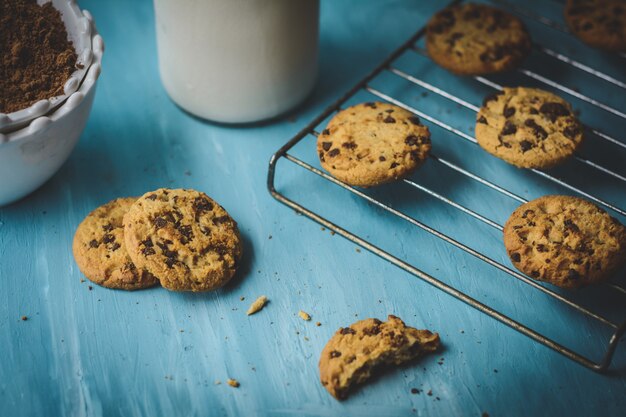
(181, 239)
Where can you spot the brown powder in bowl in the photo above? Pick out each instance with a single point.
(36, 56)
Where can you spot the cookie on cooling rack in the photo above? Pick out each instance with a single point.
(599, 23)
(473, 39)
(354, 352)
(528, 127)
(566, 241)
(100, 251)
(184, 238)
(373, 143)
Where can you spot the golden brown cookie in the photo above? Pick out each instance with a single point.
(100, 251)
(528, 127)
(373, 143)
(472, 39)
(566, 241)
(354, 352)
(184, 238)
(599, 23)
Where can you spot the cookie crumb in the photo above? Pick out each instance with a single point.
(257, 305)
(430, 393)
(318, 324)
(415, 391)
(218, 382)
(24, 318)
(242, 298)
(233, 383)
(90, 288)
(304, 316)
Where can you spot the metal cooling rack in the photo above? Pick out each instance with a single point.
(387, 66)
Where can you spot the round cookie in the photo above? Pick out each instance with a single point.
(528, 127)
(184, 238)
(566, 241)
(373, 143)
(599, 23)
(472, 39)
(100, 251)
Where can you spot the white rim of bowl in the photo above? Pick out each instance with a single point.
(89, 82)
(79, 29)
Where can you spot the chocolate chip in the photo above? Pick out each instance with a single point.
(399, 340)
(554, 110)
(370, 104)
(372, 331)
(393, 165)
(541, 248)
(570, 225)
(325, 132)
(349, 145)
(515, 257)
(382, 158)
(482, 120)
(526, 213)
(170, 262)
(533, 110)
(411, 140)
(452, 39)
(415, 155)
(152, 197)
(335, 354)
(326, 145)
(108, 238)
(347, 330)
(587, 26)
(159, 222)
(508, 111)
(526, 145)
(415, 120)
(538, 130)
(389, 119)
(115, 246)
(534, 274)
(201, 205)
(322, 156)
(492, 97)
(572, 131)
(221, 219)
(94, 243)
(187, 233)
(333, 152)
(493, 53)
(389, 111)
(350, 359)
(107, 227)
(509, 128)
(148, 251)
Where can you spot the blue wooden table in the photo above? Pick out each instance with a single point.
(90, 351)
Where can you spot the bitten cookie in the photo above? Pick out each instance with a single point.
(472, 39)
(100, 251)
(528, 127)
(566, 241)
(599, 23)
(373, 143)
(354, 352)
(184, 238)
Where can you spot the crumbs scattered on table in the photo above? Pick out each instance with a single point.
(304, 316)
(257, 305)
(24, 318)
(233, 383)
(318, 324)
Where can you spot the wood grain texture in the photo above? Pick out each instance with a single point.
(96, 352)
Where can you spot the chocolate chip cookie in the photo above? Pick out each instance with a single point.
(473, 39)
(100, 251)
(599, 23)
(354, 352)
(566, 241)
(528, 127)
(184, 238)
(373, 143)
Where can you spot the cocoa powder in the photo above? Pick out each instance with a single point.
(36, 56)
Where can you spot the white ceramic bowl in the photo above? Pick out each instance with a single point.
(31, 155)
(79, 29)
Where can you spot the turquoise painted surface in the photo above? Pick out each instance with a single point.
(99, 352)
